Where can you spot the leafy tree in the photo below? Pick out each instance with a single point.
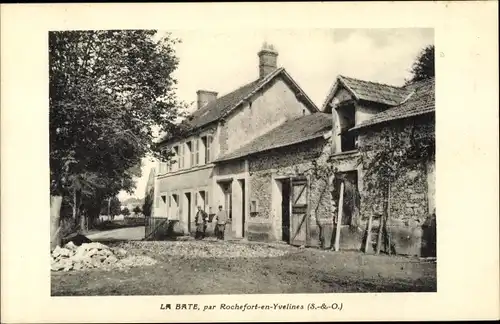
(111, 207)
(148, 203)
(137, 210)
(114, 206)
(423, 67)
(125, 211)
(109, 90)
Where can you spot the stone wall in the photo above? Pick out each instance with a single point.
(409, 195)
(292, 161)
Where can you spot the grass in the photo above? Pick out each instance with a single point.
(300, 271)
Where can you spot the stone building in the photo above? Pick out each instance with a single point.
(371, 117)
(275, 162)
(214, 163)
(284, 200)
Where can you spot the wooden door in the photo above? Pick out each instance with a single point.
(298, 217)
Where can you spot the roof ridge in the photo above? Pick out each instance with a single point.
(225, 95)
(373, 82)
(420, 82)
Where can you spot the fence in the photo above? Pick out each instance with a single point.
(160, 228)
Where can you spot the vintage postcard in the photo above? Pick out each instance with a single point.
(240, 162)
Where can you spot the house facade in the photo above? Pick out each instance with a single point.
(369, 118)
(276, 163)
(197, 176)
(285, 202)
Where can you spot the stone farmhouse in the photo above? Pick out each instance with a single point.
(241, 153)
(368, 117)
(273, 160)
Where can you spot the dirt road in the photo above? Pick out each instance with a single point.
(211, 267)
(120, 234)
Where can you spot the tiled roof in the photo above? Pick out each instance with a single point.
(375, 92)
(420, 101)
(291, 132)
(222, 106)
(368, 91)
(217, 108)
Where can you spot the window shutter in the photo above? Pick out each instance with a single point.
(197, 151)
(191, 162)
(181, 156)
(207, 149)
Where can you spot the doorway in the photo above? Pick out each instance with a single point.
(174, 207)
(243, 207)
(298, 218)
(187, 210)
(227, 192)
(285, 210)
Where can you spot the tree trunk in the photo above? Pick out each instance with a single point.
(82, 222)
(339, 217)
(74, 206)
(388, 220)
(379, 235)
(55, 224)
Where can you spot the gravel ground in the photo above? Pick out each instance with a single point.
(209, 249)
(211, 267)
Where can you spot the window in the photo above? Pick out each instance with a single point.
(165, 162)
(197, 151)
(347, 119)
(181, 156)
(175, 159)
(188, 155)
(192, 153)
(207, 141)
(254, 206)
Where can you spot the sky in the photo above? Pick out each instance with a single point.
(224, 60)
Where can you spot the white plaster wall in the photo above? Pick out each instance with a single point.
(267, 110)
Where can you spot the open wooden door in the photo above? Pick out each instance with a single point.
(298, 217)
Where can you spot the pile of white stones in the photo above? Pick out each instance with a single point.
(94, 255)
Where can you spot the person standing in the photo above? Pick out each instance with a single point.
(201, 223)
(221, 223)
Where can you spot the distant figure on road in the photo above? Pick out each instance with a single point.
(201, 223)
(221, 223)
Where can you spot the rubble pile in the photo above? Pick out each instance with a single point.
(94, 255)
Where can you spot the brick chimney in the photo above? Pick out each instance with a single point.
(205, 96)
(268, 57)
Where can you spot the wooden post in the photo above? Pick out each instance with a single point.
(308, 212)
(339, 218)
(109, 207)
(369, 233)
(388, 219)
(379, 235)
